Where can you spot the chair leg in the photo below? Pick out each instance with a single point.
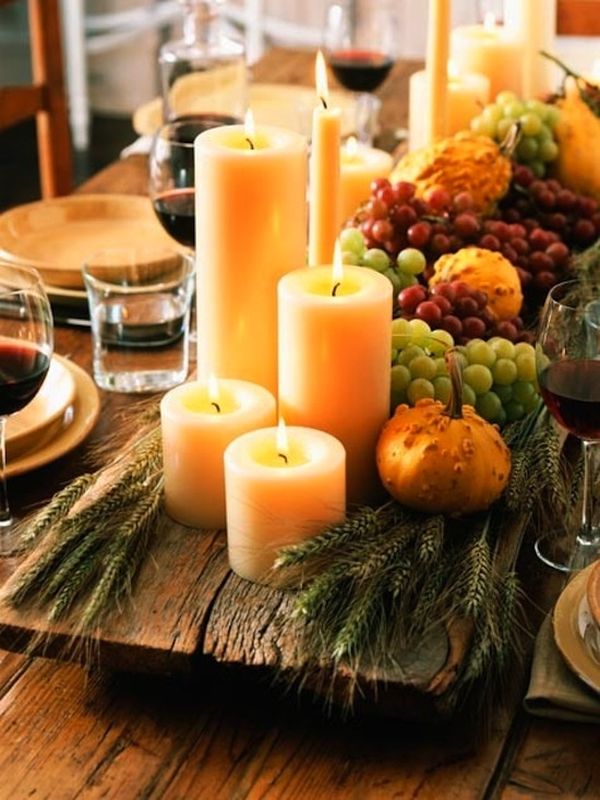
(76, 64)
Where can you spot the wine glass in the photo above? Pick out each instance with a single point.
(360, 43)
(172, 180)
(26, 341)
(568, 366)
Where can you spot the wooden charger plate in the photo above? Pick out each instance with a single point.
(56, 236)
(76, 423)
(44, 413)
(566, 631)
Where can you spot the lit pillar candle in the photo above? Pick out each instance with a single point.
(438, 30)
(490, 50)
(198, 420)
(250, 230)
(359, 166)
(283, 486)
(334, 361)
(324, 174)
(534, 23)
(467, 94)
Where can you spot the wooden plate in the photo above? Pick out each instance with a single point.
(46, 411)
(566, 632)
(56, 236)
(77, 422)
(282, 104)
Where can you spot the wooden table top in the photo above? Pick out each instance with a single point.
(66, 733)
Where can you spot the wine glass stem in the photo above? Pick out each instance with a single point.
(367, 108)
(5, 515)
(589, 535)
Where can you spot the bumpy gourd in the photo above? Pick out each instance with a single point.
(486, 270)
(464, 162)
(577, 134)
(443, 459)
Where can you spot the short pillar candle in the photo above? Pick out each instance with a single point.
(360, 166)
(282, 488)
(198, 420)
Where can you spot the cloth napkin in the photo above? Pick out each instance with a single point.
(554, 691)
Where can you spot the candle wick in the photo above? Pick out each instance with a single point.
(283, 455)
(250, 142)
(324, 102)
(335, 288)
(217, 406)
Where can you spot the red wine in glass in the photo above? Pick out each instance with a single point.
(23, 368)
(360, 70)
(571, 390)
(175, 211)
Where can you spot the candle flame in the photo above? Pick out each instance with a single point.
(351, 146)
(489, 21)
(283, 445)
(249, 128)
(337, 271)
(213, 388)
(321, 79)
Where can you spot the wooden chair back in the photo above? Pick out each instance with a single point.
(44, 99)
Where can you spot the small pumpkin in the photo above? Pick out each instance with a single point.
(486, 270)
(443, 459)
(463, 162)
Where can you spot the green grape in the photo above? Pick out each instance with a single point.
(527, 148)
(552, 115)
(410, 352)
(538, 108)
(422, 367)
(504, 372)
(530, 123)
(503, 392)
(440, 366)
(501, 418)
(537, 167)
(442, 386)
(502, 128)
(502, 347)
(488, 405)
(493, 113)
(514, 411)
(479, 352)
(401, 334)
(393, 278)
(523, 347)
(420, 330)
(401, 378)
(525, 367)
(505, 97)
(350, 258)
(439, 341)
(478, 377)
(352, 241)
(483, 126)
(394, 354)
(522, 391)
(376, 259)
(514, 110)
(548, 151)
(405, 280)
(468, 395)
(411, 261)
(544, 135)
(532, 403)
(418, 389)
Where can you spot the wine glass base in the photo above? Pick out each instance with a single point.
(564, 555)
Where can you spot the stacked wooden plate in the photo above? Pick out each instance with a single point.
(577, 625)
(59, 418)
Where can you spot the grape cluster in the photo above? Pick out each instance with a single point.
(536, 146)
(574, 220)
(499, 377)
(460, 310)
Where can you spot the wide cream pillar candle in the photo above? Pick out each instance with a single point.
(324, 174)
(282, 487)
(250, 230)
(359, 166)
(198, 420)
(436, 105)
(334, 361)
(467, 94)
(490, 50)
(534, 23)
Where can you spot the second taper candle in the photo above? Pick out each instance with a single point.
(334, 361)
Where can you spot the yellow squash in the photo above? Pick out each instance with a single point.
(577, 133)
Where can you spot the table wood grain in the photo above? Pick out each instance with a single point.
(66, 732)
